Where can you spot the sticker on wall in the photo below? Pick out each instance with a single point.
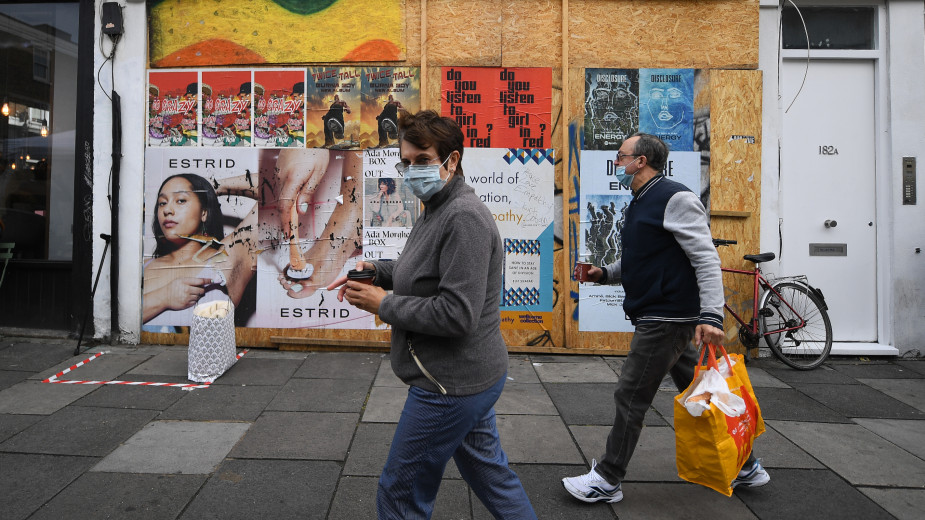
(226, 107)
(386, 91)
(206, 33)
(173, 108)
(279, 111)
(332, 104)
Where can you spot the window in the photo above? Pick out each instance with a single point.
(41, 65)
(829, 28)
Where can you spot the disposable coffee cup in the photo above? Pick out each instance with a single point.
(581, 271)
(363, 276)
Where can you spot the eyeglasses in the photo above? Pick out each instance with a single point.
(621, 155)
(401, 167)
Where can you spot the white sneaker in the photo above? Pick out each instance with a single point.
(754, 476)
(592, 487)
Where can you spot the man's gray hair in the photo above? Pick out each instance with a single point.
(655, 150)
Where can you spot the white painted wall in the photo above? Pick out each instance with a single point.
(130, 83)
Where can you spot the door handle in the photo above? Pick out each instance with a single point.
(830, 223)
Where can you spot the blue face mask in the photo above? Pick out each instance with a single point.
(625, 179)
(424, 180)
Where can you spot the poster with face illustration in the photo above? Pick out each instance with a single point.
(666, 106)
(611, 107)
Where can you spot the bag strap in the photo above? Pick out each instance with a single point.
(711, 351)
(421, 366)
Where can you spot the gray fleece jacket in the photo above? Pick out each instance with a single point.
(446, 294)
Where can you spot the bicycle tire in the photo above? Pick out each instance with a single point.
(805, 348)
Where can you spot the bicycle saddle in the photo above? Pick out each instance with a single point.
(763, 257)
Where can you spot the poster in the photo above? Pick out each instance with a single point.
(332, 100)
(199, 233)
(173, 108)
(602, 207)
(611, 107)
(389, 208)
(279, 112)
(501, 107)
(666, 99)
(226, 107)
(517, 185)
(385, 92)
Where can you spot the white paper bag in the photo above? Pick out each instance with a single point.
(211, 341)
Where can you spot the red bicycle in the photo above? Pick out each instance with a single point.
(789, 315)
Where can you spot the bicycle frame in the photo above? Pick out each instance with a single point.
(760, 280)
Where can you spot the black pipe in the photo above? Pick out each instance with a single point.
(114, 215)
(87, 314)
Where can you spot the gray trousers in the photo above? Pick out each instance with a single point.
(656, 350)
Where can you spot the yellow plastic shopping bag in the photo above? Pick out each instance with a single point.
(712, 448)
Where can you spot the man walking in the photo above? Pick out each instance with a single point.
(674, 294)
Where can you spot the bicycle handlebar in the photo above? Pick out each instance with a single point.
(723, 242)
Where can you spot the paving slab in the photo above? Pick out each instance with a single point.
(653, 460)
(761, 377)
(584, 372)
(524, 399)
(385, 404)
(259, 371)
(222, 403)
(787, 404)
(855, 453)
(107, 367)
(820, 375)
(133, 397)
(26, 356)
(540, 439)
(79, 430)
(590, 403)
(565, 358)
(520, 370)
(909, 435)
(672, 501)
(11, 424)
(909, 391)
(356, 499)
(35, 397)
(386, 377)
(916, 365)
(170, 362)
(615, 363)
(809, 494)
(248, 489)
(298, 435)
(340, 365)
(184, 447)
(28, 481)
(550, 501)
(9, 378)
(862, 401)
(664, 404)
(904, 504)
(122, 495)
(877, 371)
(322, 395)
(370, 450)
(776, 451)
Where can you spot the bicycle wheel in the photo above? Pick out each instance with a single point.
(804, 348)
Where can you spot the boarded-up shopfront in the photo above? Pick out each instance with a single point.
(241, 94)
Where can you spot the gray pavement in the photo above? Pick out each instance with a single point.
(305, 435)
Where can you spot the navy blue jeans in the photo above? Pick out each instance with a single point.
(435, 427)
(656, 350)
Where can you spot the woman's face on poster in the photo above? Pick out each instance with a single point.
(179, 211)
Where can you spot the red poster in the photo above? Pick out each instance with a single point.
(499, 107)
(279, 113)
(173, 105)
(226, 108)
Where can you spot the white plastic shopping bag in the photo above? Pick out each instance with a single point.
(711, 388)
(211, 341)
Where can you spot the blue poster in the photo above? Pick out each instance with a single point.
(666, 106)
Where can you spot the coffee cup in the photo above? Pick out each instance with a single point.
(363, 275)
(581, 271)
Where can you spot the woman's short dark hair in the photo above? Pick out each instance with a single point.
(209, 202)
(655, 150)
(389, 184)
(427, 128)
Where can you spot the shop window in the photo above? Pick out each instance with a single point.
(829, 28)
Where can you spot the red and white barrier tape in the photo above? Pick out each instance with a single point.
(54, 378)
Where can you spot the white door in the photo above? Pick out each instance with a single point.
(828, 158)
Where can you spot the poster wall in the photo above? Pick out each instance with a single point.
(619, 103)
